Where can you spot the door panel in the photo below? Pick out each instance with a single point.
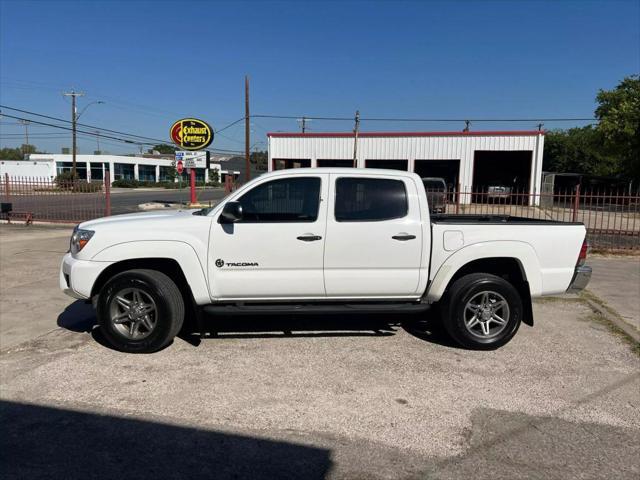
(362, 257)
(277, 250)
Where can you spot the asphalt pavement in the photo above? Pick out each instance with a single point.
(123, 201)
(77, 207)
(375, 397)
(616, 282)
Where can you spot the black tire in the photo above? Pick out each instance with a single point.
(468, 288)
(168, 316)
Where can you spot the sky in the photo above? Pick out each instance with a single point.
(152, 63)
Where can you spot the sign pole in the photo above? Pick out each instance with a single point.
(192, 173)
(247, 129)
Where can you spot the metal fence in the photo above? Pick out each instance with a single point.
(46, 200)
(612, 218)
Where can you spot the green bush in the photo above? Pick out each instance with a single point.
(130, 183)
(176, 185)
(91, 187)
(65, 181)
(124, 183)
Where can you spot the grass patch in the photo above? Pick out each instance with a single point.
(584, 298)
(596, 317)
(547, 300)
(603, 320)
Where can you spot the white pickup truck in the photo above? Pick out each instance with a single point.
(320, 240)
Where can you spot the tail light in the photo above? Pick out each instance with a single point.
(582, 258)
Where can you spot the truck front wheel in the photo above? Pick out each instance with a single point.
(140, 311)
(482, 311)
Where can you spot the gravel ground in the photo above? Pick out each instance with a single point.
(379, 399)
(375, 397)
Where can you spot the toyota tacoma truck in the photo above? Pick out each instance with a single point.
(327, 241)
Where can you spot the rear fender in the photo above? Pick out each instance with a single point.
(521, 251)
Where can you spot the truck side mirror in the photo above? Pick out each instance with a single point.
(231, 212)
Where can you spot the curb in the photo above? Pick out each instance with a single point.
(42, 223)
(612, 317)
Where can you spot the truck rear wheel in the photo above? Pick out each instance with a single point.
(482, 311)
(140, 311)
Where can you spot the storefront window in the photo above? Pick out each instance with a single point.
(81, 168)
(123, 171)
(167, 174)
(147, 173)
(96, 172)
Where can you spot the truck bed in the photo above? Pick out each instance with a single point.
(547, 249)
(495, 220)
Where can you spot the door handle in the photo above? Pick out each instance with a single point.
(403, 237)
(309, 238)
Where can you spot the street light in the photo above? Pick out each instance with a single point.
(97, 102)
(75, 118)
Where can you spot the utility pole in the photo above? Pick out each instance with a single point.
(26, 135)
(74, 118)
(356, 130)
(247, 127)
(303, 123)
(98, 140)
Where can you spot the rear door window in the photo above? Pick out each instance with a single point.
(370, 199)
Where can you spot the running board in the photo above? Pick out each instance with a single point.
(314, 308)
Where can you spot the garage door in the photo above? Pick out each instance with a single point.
(505, 172)
(285, 163)
(390, 164)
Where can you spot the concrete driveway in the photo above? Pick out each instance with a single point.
(616, 282)
(29, 260)
(307, 397)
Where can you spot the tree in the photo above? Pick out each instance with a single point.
(17, 153)
(214, 176)
(578, 150)
(171, 173)
(619, 114)
(259, 159)
(163, 148)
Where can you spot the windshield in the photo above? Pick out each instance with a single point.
(434, 185)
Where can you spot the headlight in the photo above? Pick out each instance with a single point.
(79, 239)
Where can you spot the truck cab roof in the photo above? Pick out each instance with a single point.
(343, 171)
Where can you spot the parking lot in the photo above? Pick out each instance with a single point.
(307, 397)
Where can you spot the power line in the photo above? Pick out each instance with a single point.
(79, 124)
(71, 129)
(33, 135)
(119, 132)
(393, 119)
(151, 141)
(296, 117)
(230, 125)
(93, 134)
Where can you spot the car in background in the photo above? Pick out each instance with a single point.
(498, 191)
(436, 194)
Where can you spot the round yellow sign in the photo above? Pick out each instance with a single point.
(191, 134)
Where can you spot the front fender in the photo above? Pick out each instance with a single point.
(181, 252)
(521, 251)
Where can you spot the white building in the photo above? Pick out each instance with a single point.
(152, 168)
(468, 161)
